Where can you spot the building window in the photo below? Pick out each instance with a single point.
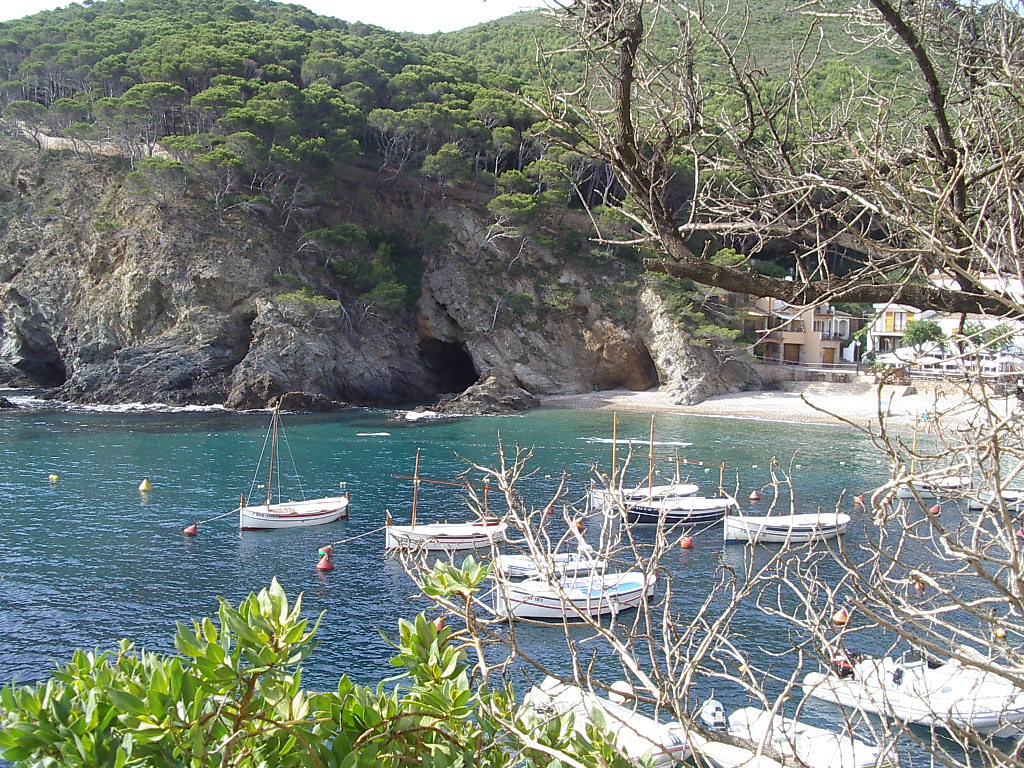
(819, 326)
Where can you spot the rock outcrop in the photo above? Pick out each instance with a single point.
(690, 372)
(109, 296)
(493, 394)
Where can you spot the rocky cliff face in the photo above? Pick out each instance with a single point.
(108, 295)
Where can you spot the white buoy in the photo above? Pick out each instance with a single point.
(54, 477)
(145, 485)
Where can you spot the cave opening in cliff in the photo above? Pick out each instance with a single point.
(450, 363)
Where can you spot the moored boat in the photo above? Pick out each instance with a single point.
(445, 537)
(935, 488)
(812, 746)
(573, 598)
(1011, 498)
(691, 509)
(603, 498)
(485, 533)
(286, 514)
(557, 563)
(951, 695)
(292, 514)
(784, 529)
(636, 736)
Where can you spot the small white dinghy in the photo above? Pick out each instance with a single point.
(636, 736)
(812, 746)
(951, 695)
(784, 529)
(573, 598)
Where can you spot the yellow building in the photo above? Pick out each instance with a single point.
(800, 336)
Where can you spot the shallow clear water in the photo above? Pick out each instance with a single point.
(89, 559)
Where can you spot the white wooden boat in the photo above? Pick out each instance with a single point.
(286, 514)
(785, 529)
(292, 514)
(575, 598)
(445, 537)
(636, 736)
(950, 695)
(557, 564)
(936, 488)
(812, 746)
(441, 537)
(1012, 498)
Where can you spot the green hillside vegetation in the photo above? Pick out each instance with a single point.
(253, 100)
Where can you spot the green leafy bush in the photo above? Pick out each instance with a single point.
(231, 696)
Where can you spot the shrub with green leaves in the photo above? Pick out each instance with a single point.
(232, 696)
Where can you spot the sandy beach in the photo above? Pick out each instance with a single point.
(899, 406)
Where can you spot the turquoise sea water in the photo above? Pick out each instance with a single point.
(89, 559)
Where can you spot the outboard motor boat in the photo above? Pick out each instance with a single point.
(712, 714)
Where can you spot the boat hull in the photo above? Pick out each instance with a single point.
(691, 510)
(574, 599)
(783, 529)
(444, 537)
(297, 514)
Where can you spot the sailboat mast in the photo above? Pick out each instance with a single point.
(615, 428)
(273, 453)
(650, 463)
(415, 486)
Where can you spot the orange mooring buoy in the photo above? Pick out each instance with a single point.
(840, 617)
(439, 623)
(918, 586)
(999, 633)
(191, 530)
(686, 542)
(935, 509)
(325, 564)
(755, 496)
(858, 501)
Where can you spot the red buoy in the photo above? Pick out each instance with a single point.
(935, 509)
(326, 551)
(325, 564)
(686, 542)
(192, 530)
(755, 496)
(858, 501)
(840, 617)
(439, 623)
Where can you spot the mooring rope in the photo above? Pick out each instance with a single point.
(353, 538)
(218, 517)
